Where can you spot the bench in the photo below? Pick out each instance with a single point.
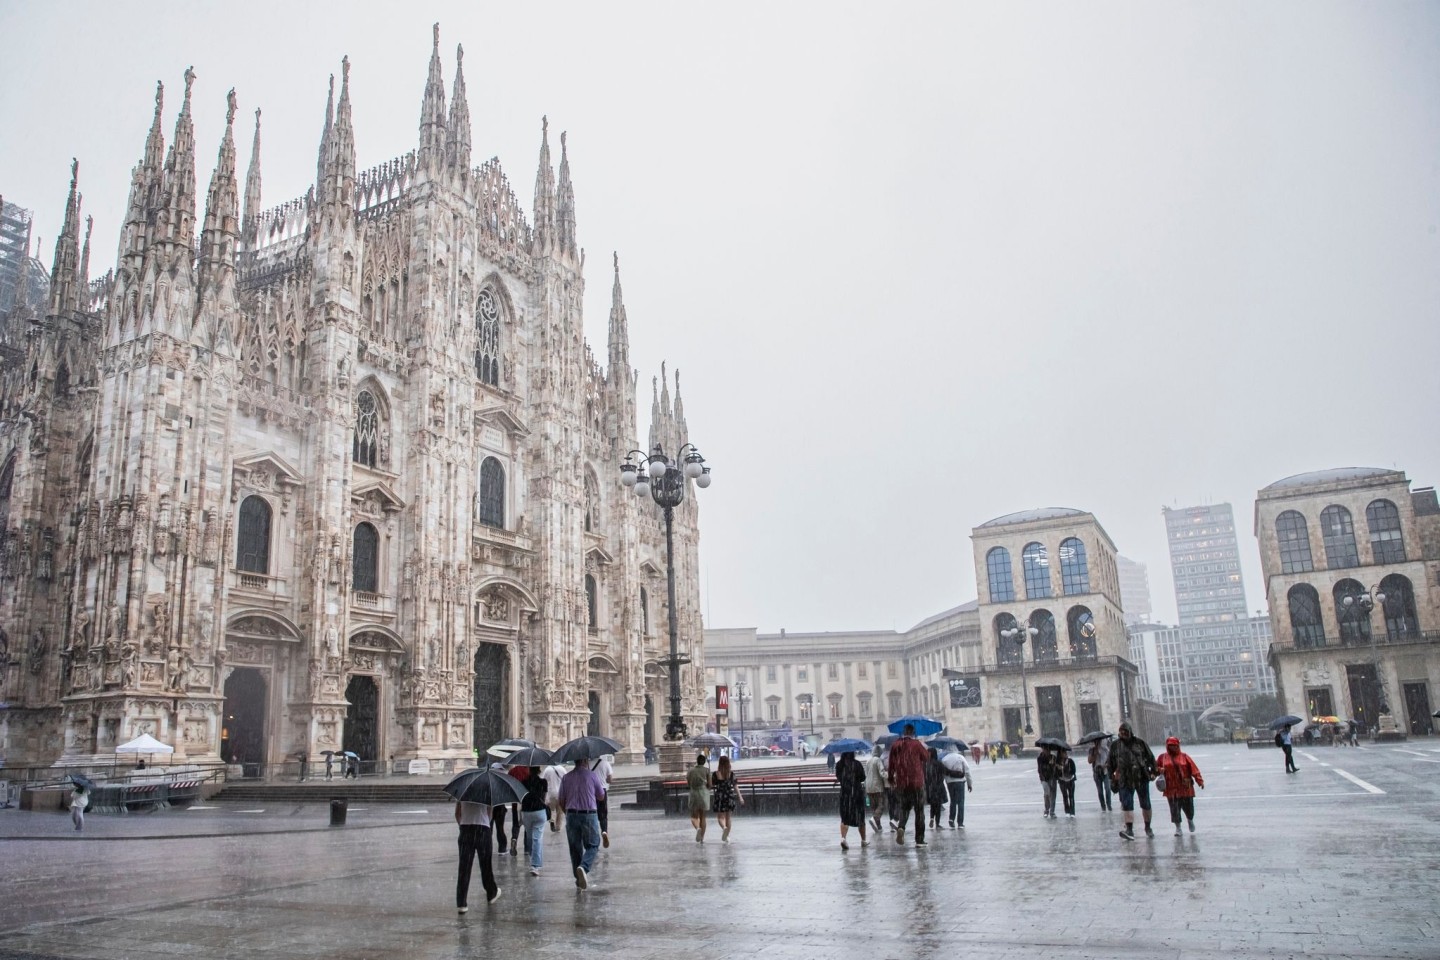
(762, 795)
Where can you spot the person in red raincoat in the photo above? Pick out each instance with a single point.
(1181, 777)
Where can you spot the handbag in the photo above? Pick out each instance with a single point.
(1160, 783)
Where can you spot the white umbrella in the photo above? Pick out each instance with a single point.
(144, 744)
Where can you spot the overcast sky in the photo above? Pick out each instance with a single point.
(920, 265)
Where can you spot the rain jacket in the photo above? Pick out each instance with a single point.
(907, 764)
(1131, 762)
(875, 774)
(1180, 773)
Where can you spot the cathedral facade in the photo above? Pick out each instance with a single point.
(339, 474)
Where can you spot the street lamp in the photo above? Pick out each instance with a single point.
(809, 700)
(742, 694)
(656, 477)
(1365, 602)
(1018, 635)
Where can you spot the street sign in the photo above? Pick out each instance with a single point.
(722, 699)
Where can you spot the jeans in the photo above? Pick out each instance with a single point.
(957, 801)
(1102, 789)
(1067, 796)
(1289, 757)
(474, 842)
(912, 798)
(1128, 795)
(582, 830)
(534, 835)
(1049, 786)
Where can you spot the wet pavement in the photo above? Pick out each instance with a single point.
(1340, 860)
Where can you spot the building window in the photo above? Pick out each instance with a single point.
(1354, 621)
(1339, 531)
(1294, 537)
(1074, 568)
(1035, 560)
(864, 706)
(1011, 650)
(805, 705)
(1046, 647)
(802, 674)
(364, 450)
(892, 704)
(252, 543)
(834, 709)
(1002, 581)
(592, 609)
(1305, 616)
(365, 560)
(487, 338)
(1399, 605)
(772, 710)
(891, 670)
(832, 671)
(492, 493)
(1386, 541)
(862, 670)
(1080, 626)
(769, 674)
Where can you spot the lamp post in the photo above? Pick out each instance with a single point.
(809, 700)
(1018, 635)
(1365, 602)
(655, 476)
(742, 694)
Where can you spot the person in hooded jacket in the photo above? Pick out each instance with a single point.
(1132, 767)
(1181, 778)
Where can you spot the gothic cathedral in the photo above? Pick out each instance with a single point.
(341, 475)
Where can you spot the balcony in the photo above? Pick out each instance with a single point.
(1408, 638)
(1037, 666)
(372, 606)
(259, 588)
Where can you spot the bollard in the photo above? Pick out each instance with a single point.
(337, 811)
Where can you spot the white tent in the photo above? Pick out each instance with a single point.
(144, 744)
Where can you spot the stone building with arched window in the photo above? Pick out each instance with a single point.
(335, 474)
(1351, 558)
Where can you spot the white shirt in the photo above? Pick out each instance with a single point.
(605, 770)
(553, 775)
(474, 814)
(79, 801)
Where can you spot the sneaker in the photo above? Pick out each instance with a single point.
(1127, 835)
(494, 896)
(1070, 815)
(864, 843)
(554, 827)
(513, 849)
(844, 845)
(1192, 826)
(920, 842)
(900, 836)
(1149, 832)
(1177, 829)
(725, 836)
(534, 871)
(462, 909)
(605, 840)
(699, 834)
(581, 879)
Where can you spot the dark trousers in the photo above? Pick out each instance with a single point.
(500, 813)
(957, 801)
(912, 798)
(474, 842)
(1102, 790)
(935, 807)
(603, 809)
(892, 804)
(1067, 796)
(1179, 805)
(1289, 757)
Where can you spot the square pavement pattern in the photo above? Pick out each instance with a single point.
(1339, 860)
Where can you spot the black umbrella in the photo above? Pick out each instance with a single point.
(83, 782)
(1093, 736)
(492, 787)
(947, 743)
(1289, 720)
(328, 753)
(586, 748)
(527, 757)
(1054, 743)
(503, 748)
(885, 739)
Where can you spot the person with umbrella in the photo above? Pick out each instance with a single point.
(1132, 767)
(875, 786)
(329, 764)
(935, 792)
(605, 769)
(906, 773)
(724, 795)
(532, 812)
(473, 820)
(697, 779)
(1180, 776)
(79, 800)
(1066, 779)
(580, 795)
(1049, 776)
(1283, 741)
(851, 776)
(1099, 758)
(553, 774)
(957, 783)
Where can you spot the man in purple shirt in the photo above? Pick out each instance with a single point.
(581, 793)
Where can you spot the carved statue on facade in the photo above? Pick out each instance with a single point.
(177, 667)
(80, 631)
(129, 662)
(38, 646)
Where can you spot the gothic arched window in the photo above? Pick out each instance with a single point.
(1035, 559)
(1386, 540)
(1294, 537)
(592, 609)
(1305, 619)
(1339, 532)
(492, 494)
(365, 560)
(1074, 568)
(1046, 648)
(252, 540)
(999, 571)
(366, 447)
(487, 338)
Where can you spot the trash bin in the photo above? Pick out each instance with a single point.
(338, 806)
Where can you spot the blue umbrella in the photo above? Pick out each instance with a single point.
(924, 726)
(847, 745)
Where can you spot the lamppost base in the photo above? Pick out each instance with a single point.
(675, 758)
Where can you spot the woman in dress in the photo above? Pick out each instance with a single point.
(936, 792)
(724, 795)
(851, 775)
(698, 780)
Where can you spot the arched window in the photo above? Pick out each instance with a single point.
(1305, 619)
(1399, 606)
(487, 338)
(924, 699)
(252, 541)
(1353, 619)
(1002, 581)
(644, 612)
(1339, 532)
(1047, 650)
(1080, 625)
(365, 560)
(592, 502)
(592, 609)
(491, 510)
(1386, 541)
(1294, 537)
(1007, 650)
(1035, 560)
(365, 449)
(1074, 568)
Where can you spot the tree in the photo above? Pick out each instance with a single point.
(1262, 709)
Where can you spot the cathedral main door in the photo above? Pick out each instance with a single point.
(361, 717)
(242, 735)
(490, 664)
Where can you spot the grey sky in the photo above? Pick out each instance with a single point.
(920, 265)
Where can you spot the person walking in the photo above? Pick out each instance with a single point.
(1049, 773)
(906, 773)
(1132, 767)
(580, 794)
(1181, 777)
(698, 780)
(957, 784)
(79, 800)
(1099, 757)
(875, 787)
(830, 762)
(1283, 741)
(935, 791)
(474, 822)
(851, 775)
(724, 796)
(533, 814)
(329, 764)
(1065, 767)
(1354, 734)
(994, 753)
(553, 774)
(605, 770)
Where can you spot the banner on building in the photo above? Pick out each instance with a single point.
(965, 692)
(722, 699)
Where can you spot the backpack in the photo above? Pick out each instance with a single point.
(1279, 740)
